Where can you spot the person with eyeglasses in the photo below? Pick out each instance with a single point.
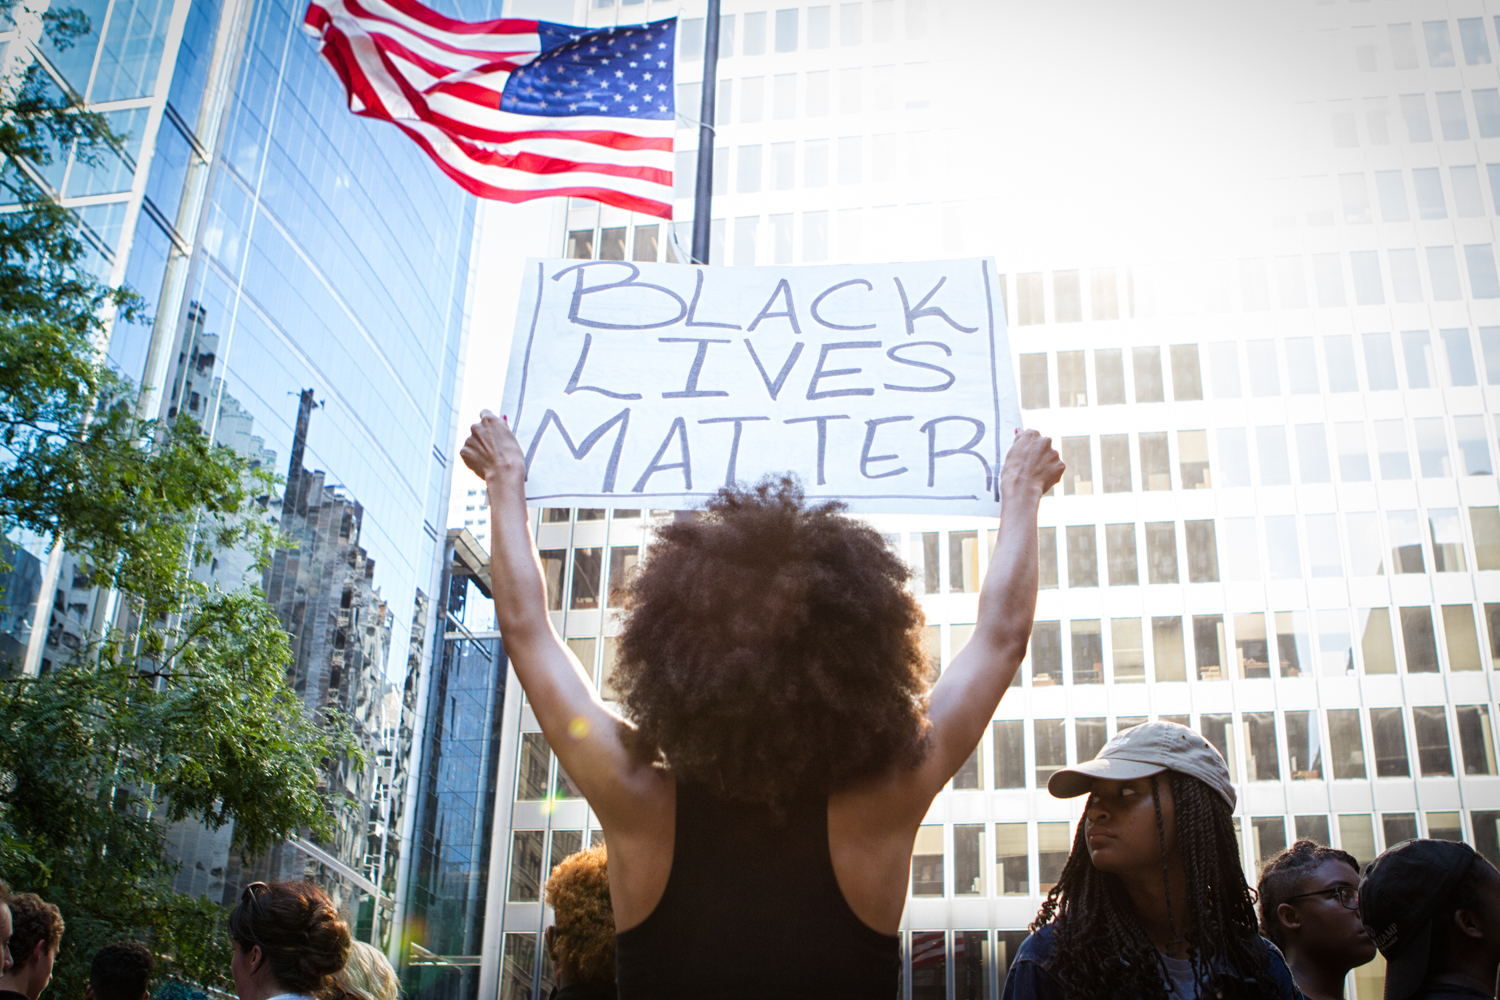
(1309, 907)
(288, 943)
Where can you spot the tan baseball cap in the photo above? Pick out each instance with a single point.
(1144, 750)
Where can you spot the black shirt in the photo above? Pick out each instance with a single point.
(753, 910)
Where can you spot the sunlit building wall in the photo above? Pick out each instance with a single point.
(1251, 289)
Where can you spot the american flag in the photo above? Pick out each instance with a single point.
(515, 109)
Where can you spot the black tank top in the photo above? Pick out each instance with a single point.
(752, 909)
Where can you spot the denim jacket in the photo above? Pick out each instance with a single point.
(1030, 979)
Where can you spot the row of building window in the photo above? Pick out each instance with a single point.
(1435, 194)
(1401, 43)
(1416, 123)
(1263, 368)
(852, 90)
(792, 29)
(1257, 644)
(1232, 465)
(886, 158)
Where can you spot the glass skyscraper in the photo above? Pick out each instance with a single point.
(1252, 296)
(306, 272)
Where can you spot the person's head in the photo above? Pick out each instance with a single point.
(36, 933)
(368, 974)
(771, 649)
(1309, 906)
(1433, 909)
(1159, 810)
(288, 938)
(581, 940)
(120, 971)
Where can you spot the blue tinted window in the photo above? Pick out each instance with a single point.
(129, 342)
(190, 77)
(169, 170)
(1439, 44)
(76, 60)
(132, 50)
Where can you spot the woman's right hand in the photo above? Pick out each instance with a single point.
(493, 453)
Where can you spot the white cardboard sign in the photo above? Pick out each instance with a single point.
(887, 386)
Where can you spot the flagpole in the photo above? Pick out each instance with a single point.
(703, 197)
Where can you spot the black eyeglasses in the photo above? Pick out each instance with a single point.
(1347, 895)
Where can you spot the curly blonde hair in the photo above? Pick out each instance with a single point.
(583, 942)
(368, 975)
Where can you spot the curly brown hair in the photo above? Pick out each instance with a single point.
(33, 921)
(583, 941)
(771, 649)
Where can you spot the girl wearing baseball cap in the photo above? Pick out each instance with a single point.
(1152, 901)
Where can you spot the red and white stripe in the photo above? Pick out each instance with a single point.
(440, 81)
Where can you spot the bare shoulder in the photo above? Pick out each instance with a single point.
(871, 828)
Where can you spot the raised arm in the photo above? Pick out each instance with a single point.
(583, 732)
(963, 700)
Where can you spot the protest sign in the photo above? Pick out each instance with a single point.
(887, 386)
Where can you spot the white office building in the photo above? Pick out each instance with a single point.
(1250, 280)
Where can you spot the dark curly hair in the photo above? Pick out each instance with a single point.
(121, 971)
(32, 920)
(298, 931)
(771, 649)
(1283, 877)
(1093, 917)
(583, 941)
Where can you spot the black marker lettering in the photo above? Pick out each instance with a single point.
(829, 291)
(579, 291)
(790, 313)
(734, 446)
(818, 372)
(691, 390)
(822, 436)
(922, 309)
(921, 364)
(586, 445)
(678, 428)
(774, 388)
(692, 316)
(865, 458)
(930, 429)
(573, 386)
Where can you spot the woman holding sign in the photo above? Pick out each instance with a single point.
(781, 738)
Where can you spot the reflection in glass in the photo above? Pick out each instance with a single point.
(1476, 738)
(1485, 523)
(1398, 828)
(1219, 730)
(1312, 454)
(1447, 540)
(1264, 378)
(1089, 738)
(1053, 843)
(1291, 643)
(1224, 367)
(1389, 737)
(1046, 653)
(1072, 382)
(971, 956)
(1128, 657)
(1261, 763)
(1252, 652)
(1187, 382)
(1460, 637)
(1083, 556)
(518, 966)
(1234, 457)
(963, 562)
(1380, 361)
(1335, 653)
(968, 865)
(1366, 551)
(1432, 448)
(586, 569)
(1202, 552)
(924, 562)
(1304, 746)
(1416, 351)
(1033, 378)
(1161, 552)
(1119, 548)
(1473, 446)
(526, 866)
(1012, 859)
(1445, 826)
(1323, 554)
(1192, 459)
(1357, 837)
(1314, 828)
(536, 761)
(1390, 445)
(927, 861)
(1268, 834)
(1145, 363)
(1208, 647)
(969, 775)
(1406, 542)
(1346, 743)
(1168, 658)
(1046, 545)
(1051, 749)
(1434, 756)
(1375, 644)
(1010, 753)
(1281, 547)
(552, 572)
(1156, 469)
(1419, 641)
(1088, 652)
(1078, 478)
(1354, 456)
(1114, 459)
(1109, 373)
(1241, 555)
(622, 563)
(1270, 446)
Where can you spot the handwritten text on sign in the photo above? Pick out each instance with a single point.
(652, 385)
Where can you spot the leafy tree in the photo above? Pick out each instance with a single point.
(181, 708)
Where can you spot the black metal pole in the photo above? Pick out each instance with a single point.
(704, 196)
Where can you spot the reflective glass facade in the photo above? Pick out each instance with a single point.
(1279, 520)
(306, 274)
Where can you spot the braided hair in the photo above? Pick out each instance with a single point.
(1092, 916)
